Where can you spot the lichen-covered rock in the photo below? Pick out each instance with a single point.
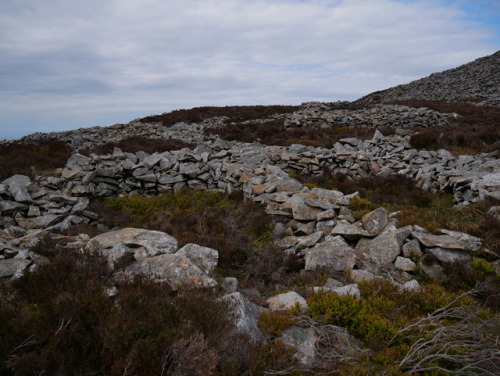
(375, 221)
(154, 242)
(382, 249)
(246, 315)
(176, 270)
(286, 301)
(446, 241)
(333, 255)
(203, 257)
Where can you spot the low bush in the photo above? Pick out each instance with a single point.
(32, 159)
(59, 320)
(234, 113)
(474, 131)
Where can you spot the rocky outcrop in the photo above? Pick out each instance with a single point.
(478, 80)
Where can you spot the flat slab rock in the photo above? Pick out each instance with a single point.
(155, 242)
(468, 243)
(10, 267)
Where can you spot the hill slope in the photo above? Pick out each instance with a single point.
(477, 81)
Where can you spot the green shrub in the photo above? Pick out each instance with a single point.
(349, 312)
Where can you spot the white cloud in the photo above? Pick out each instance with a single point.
(94, 57)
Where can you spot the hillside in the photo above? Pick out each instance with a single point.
(477, 82)
(349, 238)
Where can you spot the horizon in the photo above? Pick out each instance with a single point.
(79, 65)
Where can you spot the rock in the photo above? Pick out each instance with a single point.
(444, 241)
(352, 290)
(304, 340)
(13, 266)
(22, 180)
(326, 215)
(327, 195)
(334, 255)
(19, 192)
(303, 212)
(404, 264)
(412, 248)
(349, 231)
(203, 257)
(46, 220)
(412, 285)
(309, 240)
(360, 275)
(471, 242)
(176, 270)
(246, 315)
(154, 242)
(382, 249)
(375, 221)
(449, 255)
(229, 284)
(7, 207)
(286, 301)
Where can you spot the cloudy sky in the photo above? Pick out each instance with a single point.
(66, 64)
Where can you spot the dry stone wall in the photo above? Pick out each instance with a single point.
(325, 115)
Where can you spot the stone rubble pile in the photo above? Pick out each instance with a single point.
(326, 115)
(479, 80)
(89, 138)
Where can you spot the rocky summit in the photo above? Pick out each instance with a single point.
(345, 254)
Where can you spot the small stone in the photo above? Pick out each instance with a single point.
(404, 264)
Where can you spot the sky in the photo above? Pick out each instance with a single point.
(67, 64)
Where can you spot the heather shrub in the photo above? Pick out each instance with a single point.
(58, 319)
(234, 113)
(32, 159)
(474, 131)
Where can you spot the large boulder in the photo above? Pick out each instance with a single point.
(334, 255)
(382, 249)
(176, 270)
(153, 242)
